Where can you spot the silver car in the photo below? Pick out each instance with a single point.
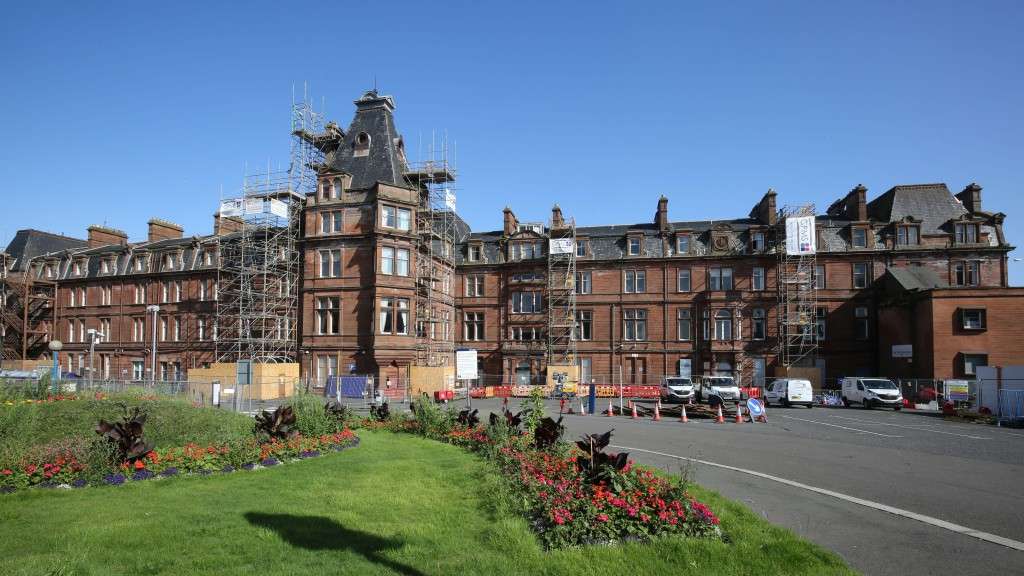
(676, 389)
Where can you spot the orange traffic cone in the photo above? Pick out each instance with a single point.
(633, 406)
(657, 411)
(611, 409)
(720, 419)
(739, 414)
(683, 417)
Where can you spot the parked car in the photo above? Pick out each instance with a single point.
(871, 392)
(676, 389)
(723, 386)
(789, 392)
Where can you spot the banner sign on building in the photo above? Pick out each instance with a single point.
(561, 246)
(277, 208)
(800, 237)
(249, 206)
(465, 364)
(231, 207)
(902, 350)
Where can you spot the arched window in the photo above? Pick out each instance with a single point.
(361, 144)
(336, 188)
(723, 325)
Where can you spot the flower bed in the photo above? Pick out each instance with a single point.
(65, 469)
(571, 497)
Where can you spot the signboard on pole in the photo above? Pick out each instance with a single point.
(902, 350)
(800, 237)
(561, 246)
(465, 364)
(958, 390)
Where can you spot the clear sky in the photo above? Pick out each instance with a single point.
(117, 112)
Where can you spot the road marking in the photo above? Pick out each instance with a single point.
(937, 522)
(838, 426)
(905, 426)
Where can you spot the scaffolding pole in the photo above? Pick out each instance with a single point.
(561, 294)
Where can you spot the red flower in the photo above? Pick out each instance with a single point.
(139, 465)
(31, 468)
(602, 517)
(6, 472)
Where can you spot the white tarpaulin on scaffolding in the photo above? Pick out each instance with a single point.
(800, 237)
(252, 206)
(449, 199)
(561, 246)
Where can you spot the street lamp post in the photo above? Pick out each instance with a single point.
(55, 347)
(94, 335)
(154, 310)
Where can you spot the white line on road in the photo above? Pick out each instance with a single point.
(905, 426)
(838, 426)
(937, 522)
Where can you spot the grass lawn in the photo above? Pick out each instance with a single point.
(398, 504)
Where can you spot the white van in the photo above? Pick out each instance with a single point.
(869, 392)
(789, 392)
(724, 386)
(676, 389)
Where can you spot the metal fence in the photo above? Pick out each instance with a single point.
(228, 396)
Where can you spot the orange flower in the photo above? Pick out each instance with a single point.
(139, 465)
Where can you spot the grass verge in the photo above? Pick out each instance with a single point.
(398, 504)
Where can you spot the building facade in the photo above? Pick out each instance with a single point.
(912, 283)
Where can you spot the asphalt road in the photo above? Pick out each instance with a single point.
(967, 474)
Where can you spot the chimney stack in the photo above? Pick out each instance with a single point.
(163, 230)
(971, 197)
(510, 222)
(223, 225)
(661, 216)
(556, 217)
(103, 236)
(765, 212)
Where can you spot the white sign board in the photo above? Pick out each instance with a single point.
(449, 199)
(465, 364)
(561, 246)
(902, 350)
(230, 207)
(800, 237)
(278, 208)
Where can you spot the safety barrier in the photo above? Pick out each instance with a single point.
(750, 391)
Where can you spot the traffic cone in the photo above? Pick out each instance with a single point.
(683, 417)
(633, 406)
(611, 409)
(657, 411)
(720, 419)
(739, 414)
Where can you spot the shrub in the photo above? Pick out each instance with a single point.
(276, 425)
(311, 416)
(127, 435)
(533, 410)
(548, 433)
(380, 413)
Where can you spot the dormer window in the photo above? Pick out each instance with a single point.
(966, 233)
(907, 235)
(859, 237)
(140, 263)
(105, 267)
(168, 262)
(208, 257)
(475, 252)
(361, 145)
(633, 245)
(683, 244)
(336, 188)
(581, 247)
(76, 268)
(757, 242)
(526, 250)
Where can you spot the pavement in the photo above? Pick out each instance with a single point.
(891, 492)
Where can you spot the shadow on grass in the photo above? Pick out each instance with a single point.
(320, 533)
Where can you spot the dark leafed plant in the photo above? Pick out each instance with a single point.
(548, 433)
(469, 418)
(337, 412)
(596, 464)
(126, 435)
(512, 421)
(380, 413)
(279, 424)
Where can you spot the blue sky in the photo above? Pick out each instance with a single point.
(115, 113)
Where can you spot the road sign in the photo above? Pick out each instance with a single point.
(755, 408)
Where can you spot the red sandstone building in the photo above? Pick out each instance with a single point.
(912, 283)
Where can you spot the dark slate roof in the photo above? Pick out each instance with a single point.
(933, 204)
(914, 278)
(384, 163)
(29, 243)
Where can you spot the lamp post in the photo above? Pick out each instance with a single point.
(309, 367)
(55, 347)
(94, 336)
(154, 310)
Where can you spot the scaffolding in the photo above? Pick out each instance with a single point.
(259, 265)
(561, 293)
(797, 296)
(26, 313)
(434, 306)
